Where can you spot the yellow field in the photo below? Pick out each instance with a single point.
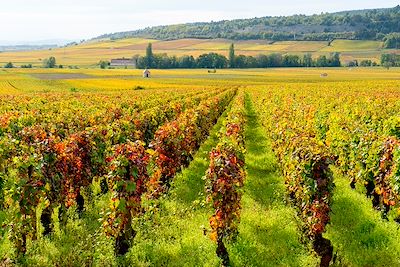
(20, 81)
(90, 53)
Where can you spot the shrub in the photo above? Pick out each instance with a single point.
(104, 64)
(9, 65)
(138, 87)
(49, 62)
(28, 66)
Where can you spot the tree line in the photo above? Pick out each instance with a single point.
(362, 25)
(392, 40)
(48, 63)
(218, 61)
(390, 60)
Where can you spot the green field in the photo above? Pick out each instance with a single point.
(90, 53)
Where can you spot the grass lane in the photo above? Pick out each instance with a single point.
(357, 231)
(268, 233)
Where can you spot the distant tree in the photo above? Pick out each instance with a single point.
(212, 60)
(322, 61)
(187, 62)
(232, 56)
(390, 60)
(366, 63)
(251, 62)
(49, 62)
(149, 58)
(9, 65)
(104, 64)
(262, 61)
(365, 34)
(28, 66)
(24, 66)
(392, 40)
(353, 63)
(137, 61)
(240, 62)
(140, 62)
(204, 61)
(307, 60)
(291, 61)
(275, 60)
(219, 61)
(174, 62)
(334, 61)
(163, 61)
(387, 65)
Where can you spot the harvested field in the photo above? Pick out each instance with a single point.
(61, 76)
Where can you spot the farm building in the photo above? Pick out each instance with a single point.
(146, 73)
(123, 62)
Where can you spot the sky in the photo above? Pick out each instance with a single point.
(32, 20)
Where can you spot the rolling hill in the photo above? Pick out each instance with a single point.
(90, 53)
(357, 24)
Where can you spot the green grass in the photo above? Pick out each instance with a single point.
(81, 243)
(268, 233)
(353, 45)
(357, 232)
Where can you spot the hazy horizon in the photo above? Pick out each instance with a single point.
(74, 20)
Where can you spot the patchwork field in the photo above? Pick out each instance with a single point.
(256, 167)
(90, 53)
(92, 80)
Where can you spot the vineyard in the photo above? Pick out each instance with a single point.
(238, 168)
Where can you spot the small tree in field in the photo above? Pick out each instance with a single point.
(149, 58)
(232, 56)
(27, 66)
(9, 65)
(387, 65)
(104, 64)
(50, 63)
